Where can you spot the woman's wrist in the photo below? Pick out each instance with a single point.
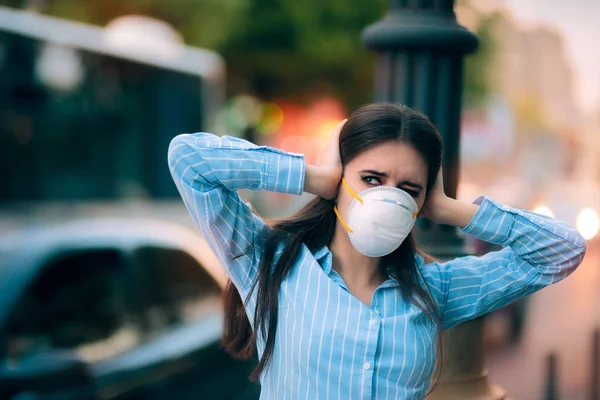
(322, 180)
(454, 212)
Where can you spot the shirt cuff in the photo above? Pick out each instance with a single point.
(285, 172)
(492, 223)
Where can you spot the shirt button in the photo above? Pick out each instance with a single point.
(366, 365)
(372, 322)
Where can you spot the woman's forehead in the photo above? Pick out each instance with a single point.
(396, 159)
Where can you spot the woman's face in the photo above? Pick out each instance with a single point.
(393, 163)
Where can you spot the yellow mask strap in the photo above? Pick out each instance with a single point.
(337, 213)
(352, 192)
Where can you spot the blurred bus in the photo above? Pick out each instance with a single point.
(87, 113)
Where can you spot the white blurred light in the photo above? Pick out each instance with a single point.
(588, 223)
(138, 34)
(544, 210)
(59, 67)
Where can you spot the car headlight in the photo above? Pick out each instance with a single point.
(544, 210)
(588, 223)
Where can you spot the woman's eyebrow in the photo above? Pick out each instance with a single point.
(373, 172)
(384, 175)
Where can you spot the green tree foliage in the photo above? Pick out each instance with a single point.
(478, 81)
(304, 48)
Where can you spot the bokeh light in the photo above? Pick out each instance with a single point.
(60, 67)
(142, 35)
(588, 223)
(324, 129)
(544, 210)
(271, 119)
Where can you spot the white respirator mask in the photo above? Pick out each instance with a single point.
(379, 219)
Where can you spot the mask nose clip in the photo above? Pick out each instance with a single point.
(397, 203)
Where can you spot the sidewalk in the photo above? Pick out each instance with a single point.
(560, 319)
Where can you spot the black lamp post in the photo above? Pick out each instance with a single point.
(420, 51)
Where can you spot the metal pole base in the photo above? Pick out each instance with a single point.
(463, 373)
(476, 388)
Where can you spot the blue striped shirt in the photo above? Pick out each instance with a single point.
(329, 345)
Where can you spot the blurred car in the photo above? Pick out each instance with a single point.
(113, 309)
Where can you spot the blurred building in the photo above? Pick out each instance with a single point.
(533, 64)
(531, 127)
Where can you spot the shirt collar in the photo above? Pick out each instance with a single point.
(324, 258)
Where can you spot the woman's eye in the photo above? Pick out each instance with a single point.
(371, 180)
(412, 193)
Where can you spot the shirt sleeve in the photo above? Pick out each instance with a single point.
(538, 252)
(208, 170)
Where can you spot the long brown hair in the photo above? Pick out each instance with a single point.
(314, 226)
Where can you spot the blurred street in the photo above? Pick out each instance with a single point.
(560, 319)
(105, 280)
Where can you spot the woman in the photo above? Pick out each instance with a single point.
(338, 302)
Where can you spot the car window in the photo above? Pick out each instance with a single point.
(179, 288)
(78, 302)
